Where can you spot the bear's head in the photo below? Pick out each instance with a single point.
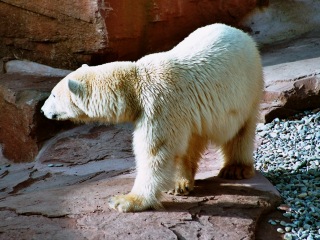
(61, 104)
(102, 93)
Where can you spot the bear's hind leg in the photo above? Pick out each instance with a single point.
(187, 166)
(238, 153)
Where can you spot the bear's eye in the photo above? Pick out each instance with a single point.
(53, 95)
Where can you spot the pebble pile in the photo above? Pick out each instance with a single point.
(289, 156)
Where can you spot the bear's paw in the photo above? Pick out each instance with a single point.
(182, 188)
(131, 203)
(236, 171)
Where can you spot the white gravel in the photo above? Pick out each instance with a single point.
(289, 156)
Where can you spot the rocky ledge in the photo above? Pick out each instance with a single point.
(63, 195)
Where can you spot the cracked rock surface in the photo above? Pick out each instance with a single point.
(63, 194)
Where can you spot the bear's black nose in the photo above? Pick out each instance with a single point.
(54, 116)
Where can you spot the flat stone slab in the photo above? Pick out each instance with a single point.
(35, 69)
(292, 78)
(70, 201)
(291, 71)
(216, 210)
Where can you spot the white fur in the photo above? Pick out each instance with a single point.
(208, 86)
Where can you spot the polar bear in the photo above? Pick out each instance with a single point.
(207, 89)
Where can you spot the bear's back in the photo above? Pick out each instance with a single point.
(216, 47)
(213, 42)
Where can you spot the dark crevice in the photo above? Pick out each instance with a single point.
(91, 177)
(31, 213)
(29, 182)
(5, 173)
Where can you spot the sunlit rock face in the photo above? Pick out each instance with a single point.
(67, 34)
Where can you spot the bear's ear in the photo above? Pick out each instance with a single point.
(76, 87)
(84, 65)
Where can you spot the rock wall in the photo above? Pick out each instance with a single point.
(135, 29)
(67, 34)
(56, 33)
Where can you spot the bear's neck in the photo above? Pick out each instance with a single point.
(122, 96)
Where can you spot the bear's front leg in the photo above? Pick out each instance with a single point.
(153, 175)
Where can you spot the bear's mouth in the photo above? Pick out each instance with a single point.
(60, 116)
(56, 116)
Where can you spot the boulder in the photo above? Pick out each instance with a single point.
(283, 21)
(67, 34)
(285, 99)
(55, 33)
(32, 68)
(22, 127)
(90, 143)
(291, 88)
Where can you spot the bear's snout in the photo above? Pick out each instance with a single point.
(49, 115)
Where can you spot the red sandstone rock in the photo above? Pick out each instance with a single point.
(97, 147)
(216, 210)
(22, 126)
(291, 88)
(66, 34)
(285, 99)
(56, 33)
(70, 202)
(151, 26)
(32, 68)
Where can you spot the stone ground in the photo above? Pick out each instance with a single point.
(70, 201)
(63, 193)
